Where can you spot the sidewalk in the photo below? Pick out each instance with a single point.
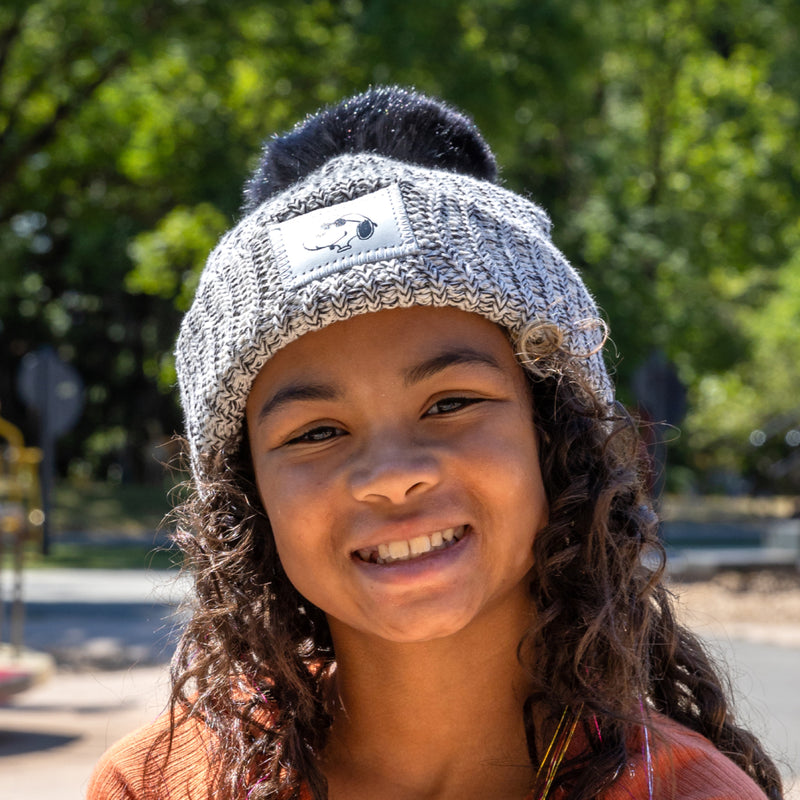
(112, 633)
(52, 736)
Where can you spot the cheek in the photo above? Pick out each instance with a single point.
(286, 493)
(298, 557)
(282, 512)
(512, 450)
(518, 477)
(298, 521)
(538, 496)
(291, 555)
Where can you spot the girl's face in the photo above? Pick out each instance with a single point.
(396, 458)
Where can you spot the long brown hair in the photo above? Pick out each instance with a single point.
(256, 661)
(607, 643)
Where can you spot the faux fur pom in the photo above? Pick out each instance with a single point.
(391, 121)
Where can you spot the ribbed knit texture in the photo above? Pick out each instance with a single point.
(475, 246)
(686, 766)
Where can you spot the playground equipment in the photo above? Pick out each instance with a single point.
(21, 519)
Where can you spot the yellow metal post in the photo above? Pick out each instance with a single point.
(21, 518)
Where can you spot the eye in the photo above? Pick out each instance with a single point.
(323, 433)
(449, 405)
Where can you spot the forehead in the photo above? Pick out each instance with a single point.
(387, 341)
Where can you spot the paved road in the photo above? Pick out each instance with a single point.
(97, 586)
(104, 619)
(95, 621)
(765, 678)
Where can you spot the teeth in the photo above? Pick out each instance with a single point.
(418, 546)
(399, 549)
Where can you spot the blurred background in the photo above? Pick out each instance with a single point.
(661, 136)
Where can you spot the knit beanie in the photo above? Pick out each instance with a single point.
(362, 232)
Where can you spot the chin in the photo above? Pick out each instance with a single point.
(419, 632)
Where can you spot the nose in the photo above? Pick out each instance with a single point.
(394, 471)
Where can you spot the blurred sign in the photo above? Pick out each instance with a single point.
(662, 402)
(54, 390)
(659, 390)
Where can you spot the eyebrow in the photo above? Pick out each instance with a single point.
(449, 358)
(295, 392)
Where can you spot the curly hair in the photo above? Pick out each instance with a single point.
(256, 662)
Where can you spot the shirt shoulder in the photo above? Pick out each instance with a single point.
(147, 765)
(684, 765)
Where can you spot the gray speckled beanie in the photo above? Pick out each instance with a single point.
(365, 233)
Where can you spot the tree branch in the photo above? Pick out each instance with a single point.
(64, 110)
(7, 38)
(73, 50)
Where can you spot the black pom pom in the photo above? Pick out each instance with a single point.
(391, 121)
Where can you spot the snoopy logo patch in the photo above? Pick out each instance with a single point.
(370, 228)
(338, 234)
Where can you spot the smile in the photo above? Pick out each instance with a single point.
(407, 549)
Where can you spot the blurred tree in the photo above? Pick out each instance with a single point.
(67, 208)
(126, 130)
(660, 135)
(691, 216)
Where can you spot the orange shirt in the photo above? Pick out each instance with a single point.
(685, 766)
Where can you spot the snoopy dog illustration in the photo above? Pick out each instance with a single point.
(339, 233)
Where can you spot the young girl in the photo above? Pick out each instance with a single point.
(425, 561)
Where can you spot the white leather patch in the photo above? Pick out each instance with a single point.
(373, 227)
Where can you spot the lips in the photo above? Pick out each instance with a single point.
(409, 549)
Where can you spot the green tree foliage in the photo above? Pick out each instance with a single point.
(691, 212)
(660, 136)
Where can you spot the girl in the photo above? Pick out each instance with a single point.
(425, 561)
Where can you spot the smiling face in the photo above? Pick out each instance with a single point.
(396, 457)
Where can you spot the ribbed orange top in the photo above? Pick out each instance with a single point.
(685, 766)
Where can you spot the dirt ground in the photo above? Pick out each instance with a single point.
(758, 606)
